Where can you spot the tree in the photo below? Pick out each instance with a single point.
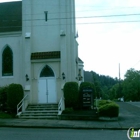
(131, 85)
(102, 83)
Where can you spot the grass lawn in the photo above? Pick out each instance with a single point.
(5, 115)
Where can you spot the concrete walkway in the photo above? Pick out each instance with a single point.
(129, 117)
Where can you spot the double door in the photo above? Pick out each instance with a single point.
(47, 90)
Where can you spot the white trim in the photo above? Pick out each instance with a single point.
(46, 60)
(13, 34)
(4, 77)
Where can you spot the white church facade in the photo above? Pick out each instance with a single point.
(38, 47)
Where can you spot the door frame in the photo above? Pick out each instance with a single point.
(45, 78)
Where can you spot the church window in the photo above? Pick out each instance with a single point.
(46, 15)
(47, 72)
(7, 62)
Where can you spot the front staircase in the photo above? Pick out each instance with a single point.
(40, 111)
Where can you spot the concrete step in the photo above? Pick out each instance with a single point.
(38, 114)
(41, 109)
(46, 111)
(43, 105)
(38, 117)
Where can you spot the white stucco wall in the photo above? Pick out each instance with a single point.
(45, 37)
(14, 41)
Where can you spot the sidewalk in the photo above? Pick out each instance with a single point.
(129, 117)
(30, 123)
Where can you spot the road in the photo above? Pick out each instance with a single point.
(60, 134)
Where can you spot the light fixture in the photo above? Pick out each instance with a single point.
(79, 77)
(63, 75)
(62, 33)
(27, 77)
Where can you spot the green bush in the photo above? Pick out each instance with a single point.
(87, 85)
(71, 95)
(5, 115)
(110, 109)
(103, 102)
(68, 110)
(14, 96)
(3, 98)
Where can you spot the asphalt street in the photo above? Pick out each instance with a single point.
(60, 134)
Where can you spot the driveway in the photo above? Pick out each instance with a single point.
(129, 114)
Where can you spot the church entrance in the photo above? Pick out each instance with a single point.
(47, 86)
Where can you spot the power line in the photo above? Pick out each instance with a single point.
(100, 16)
(101, 8)
(134, 21)
(134, 14)
(70, 24)
(136, 64)
(78, 23)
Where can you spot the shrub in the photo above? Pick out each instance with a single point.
(5, 115)
(103, 102)
(14, 96)
(3, 98)
(86, 85)
(71, 95)
(109, 110)
(68, 110)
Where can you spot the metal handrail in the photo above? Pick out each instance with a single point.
(61, 106)
(21, 104)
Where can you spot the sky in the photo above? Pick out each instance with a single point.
(107, 37)
(109, 32)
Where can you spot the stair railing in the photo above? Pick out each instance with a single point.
(61, 105)
(22, 105)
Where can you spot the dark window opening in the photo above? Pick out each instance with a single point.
(47, 72)
(46, 15)
(7, 62)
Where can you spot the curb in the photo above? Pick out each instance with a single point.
(64, 127)
(108, 119)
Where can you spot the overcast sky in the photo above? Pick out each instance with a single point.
(103, 45)
(107, 35)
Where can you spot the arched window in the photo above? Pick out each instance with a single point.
(47, 72)
(7, 62)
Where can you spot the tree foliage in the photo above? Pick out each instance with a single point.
(131, 85)
(102, 83)
(110, 88)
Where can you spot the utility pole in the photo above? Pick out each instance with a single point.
(119, 82)
(119, 73)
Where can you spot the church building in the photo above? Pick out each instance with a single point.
(38, 47)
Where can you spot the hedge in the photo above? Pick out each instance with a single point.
(103, 102)
(14, 96)
(3, 98)
(86, 85)
(71, 95)
(108, 109)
